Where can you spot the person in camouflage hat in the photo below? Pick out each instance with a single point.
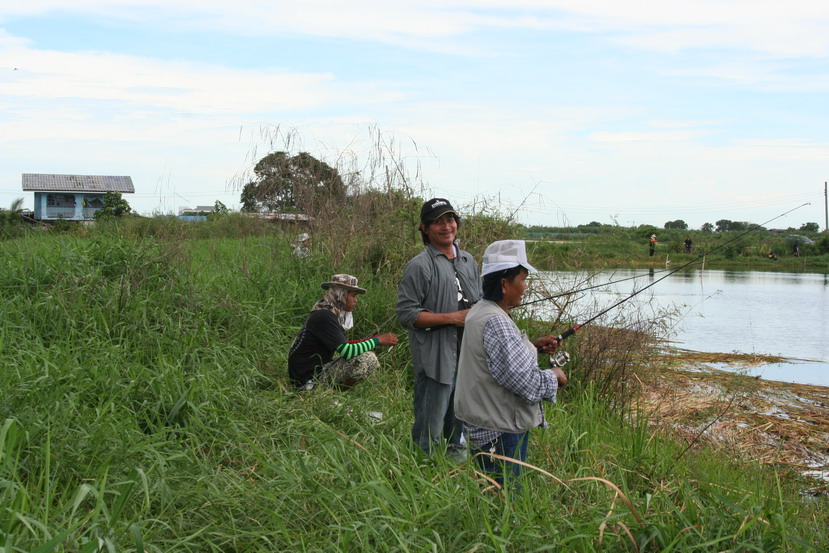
(311, 359)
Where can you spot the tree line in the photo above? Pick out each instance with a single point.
(722, 225)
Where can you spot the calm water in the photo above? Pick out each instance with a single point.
(734, 311)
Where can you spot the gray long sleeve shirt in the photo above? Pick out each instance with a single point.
(428, 284)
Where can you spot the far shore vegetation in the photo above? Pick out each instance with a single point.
(741, 246)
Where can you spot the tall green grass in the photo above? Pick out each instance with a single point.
(145, 407)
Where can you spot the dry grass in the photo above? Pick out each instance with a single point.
(774, 423)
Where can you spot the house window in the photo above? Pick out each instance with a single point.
(60, 200)
(93, 203)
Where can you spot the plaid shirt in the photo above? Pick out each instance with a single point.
(514, 367)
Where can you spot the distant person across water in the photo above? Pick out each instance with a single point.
(311, 359)
(688, 244)
(652, 244)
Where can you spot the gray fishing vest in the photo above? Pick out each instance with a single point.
(479, 399)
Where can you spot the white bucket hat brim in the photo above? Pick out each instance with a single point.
(505, 254)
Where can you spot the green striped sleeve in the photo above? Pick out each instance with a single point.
(350, 350)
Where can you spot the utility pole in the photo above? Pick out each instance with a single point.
(825, 209)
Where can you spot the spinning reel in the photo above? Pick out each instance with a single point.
(559, 359)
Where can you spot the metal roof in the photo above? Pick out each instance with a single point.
(76, 183)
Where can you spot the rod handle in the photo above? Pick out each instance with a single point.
(568, 333)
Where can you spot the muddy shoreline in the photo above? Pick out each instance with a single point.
(775, 423)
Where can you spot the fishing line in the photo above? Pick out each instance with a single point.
(569, 332)
(603, 284)
(652, 273)
(381, 326)
(702, 256)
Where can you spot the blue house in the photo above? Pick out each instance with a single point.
(72, 197)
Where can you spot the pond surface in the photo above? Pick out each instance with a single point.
(784, 314)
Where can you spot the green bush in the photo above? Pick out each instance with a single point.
(823, 245)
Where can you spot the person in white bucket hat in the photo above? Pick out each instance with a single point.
(500, 390)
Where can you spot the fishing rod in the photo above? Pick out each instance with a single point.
(378, 329)
(603, 284)
(651, 273)
(569, 332)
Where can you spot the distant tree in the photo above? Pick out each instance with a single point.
(707, 227)
(593, 224)
(13, 213)
(724, 225)
(283, 181)
(10, 221)
(647, 230)
(114, 206)
(810, 227)
(17, 206)
(823, 245)
(678, 224)
(220, 208)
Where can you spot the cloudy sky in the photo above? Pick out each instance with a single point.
(561, 111)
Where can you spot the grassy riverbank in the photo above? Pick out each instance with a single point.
(146, 408)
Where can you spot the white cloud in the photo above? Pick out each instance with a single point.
(795, 28)
(558, 171)
(99, 95)
(182, 86)
(645, 136)
(752, 72)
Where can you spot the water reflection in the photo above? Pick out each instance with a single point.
(769, 313)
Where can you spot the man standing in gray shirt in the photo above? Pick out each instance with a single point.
(439, 286)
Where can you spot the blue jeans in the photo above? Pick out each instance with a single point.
(434, 414)
(508, 445)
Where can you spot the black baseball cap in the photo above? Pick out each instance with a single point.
(434, 209)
